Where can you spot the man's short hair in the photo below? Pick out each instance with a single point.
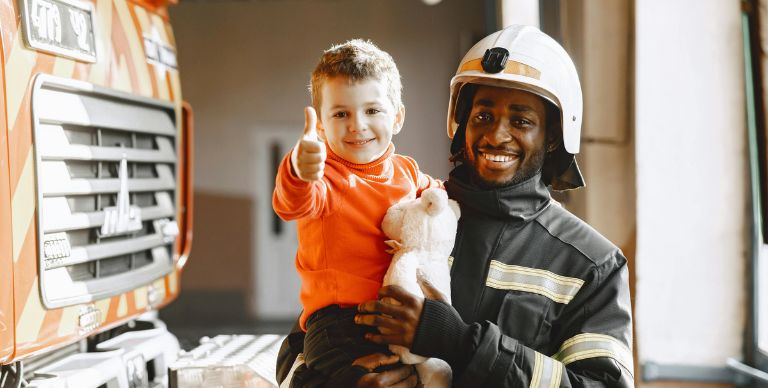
(357, 60)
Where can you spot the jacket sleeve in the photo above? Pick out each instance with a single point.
(422, 180)
(294, 198)
(596, 350)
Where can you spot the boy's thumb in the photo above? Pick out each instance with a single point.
(310, 123)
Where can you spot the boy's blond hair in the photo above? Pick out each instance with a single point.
(357, 60)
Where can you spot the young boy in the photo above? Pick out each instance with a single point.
(338, 188)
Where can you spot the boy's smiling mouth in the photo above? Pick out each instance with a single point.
(359, 142)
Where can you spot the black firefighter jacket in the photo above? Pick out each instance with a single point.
(544, 296)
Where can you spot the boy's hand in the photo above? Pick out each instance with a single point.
(308, 156)
(393, 245)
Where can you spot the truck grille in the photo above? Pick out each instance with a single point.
(84, 136)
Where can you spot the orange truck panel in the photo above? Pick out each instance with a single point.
(6, 263)
(27, 326)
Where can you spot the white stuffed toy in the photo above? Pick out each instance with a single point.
(424, 230)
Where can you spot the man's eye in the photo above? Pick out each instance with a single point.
(521, 122)
(483, 117)
(340, 115)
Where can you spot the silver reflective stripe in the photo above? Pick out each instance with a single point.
(588, 345)
(547, 372)
(450, 261)
(559, 288)
(296, 363)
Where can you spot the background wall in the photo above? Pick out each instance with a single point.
(245, 68)
(691, 182)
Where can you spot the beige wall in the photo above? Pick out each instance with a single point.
(245, 64)
(598, 36)
(691, 182)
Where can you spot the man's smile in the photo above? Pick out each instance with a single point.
(498, 157)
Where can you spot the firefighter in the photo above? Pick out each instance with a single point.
(540, 299)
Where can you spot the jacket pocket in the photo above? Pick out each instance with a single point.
(522, 316)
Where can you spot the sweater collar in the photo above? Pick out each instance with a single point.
(523, 201)
(378, 168)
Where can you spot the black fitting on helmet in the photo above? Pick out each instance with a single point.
(495, 60)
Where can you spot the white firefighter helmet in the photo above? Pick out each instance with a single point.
(523, 57)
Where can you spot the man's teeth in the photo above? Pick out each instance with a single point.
(497, 158)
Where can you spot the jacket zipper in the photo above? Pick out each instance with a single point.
(488, 259)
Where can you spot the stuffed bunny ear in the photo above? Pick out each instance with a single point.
(454, 206)
(434, 200)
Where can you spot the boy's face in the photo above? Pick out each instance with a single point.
(358, 119)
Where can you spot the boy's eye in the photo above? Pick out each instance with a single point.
(372, 111)
(340, 114)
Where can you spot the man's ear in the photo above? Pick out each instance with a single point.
(399, 120)
(554, 137)
(554, 143)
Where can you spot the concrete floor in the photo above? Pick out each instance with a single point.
(195, 314)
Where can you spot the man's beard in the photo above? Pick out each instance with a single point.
(526, 171)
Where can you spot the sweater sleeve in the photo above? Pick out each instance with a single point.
(294, 198)
(422, 180)
(597, 353)
(425, 181)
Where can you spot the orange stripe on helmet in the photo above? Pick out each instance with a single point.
(512, 67)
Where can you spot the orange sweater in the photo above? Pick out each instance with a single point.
(341, 258)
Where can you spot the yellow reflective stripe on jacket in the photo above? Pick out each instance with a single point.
(588, 345)
(546, 372)
(299, 361)
(450, 261)
(560, 289)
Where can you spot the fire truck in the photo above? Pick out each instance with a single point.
(95, 192)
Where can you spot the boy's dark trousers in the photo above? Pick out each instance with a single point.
(332, 342)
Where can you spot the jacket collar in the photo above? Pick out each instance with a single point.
(523, 201)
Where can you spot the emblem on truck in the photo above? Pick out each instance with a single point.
(158, 53)
(123, 218)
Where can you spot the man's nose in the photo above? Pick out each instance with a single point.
(500, 133)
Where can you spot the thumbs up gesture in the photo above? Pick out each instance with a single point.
(308, 156)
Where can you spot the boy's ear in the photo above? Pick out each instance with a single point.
(320, 130)
(399, 120)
